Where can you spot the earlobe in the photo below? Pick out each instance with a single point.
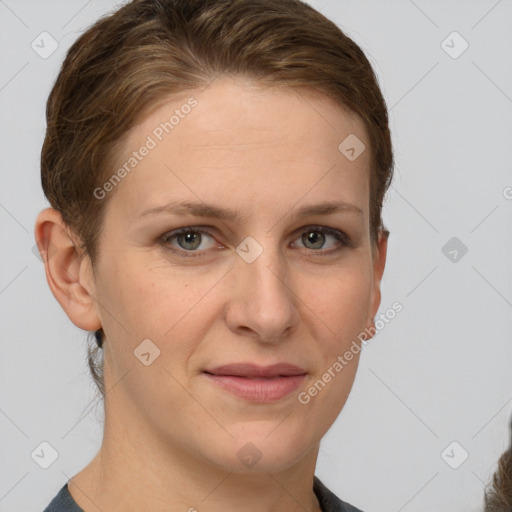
(68, 271)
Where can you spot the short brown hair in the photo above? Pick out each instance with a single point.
(133, 59)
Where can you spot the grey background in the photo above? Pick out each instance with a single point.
(439, 372)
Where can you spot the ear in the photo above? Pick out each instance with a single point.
(68, 270)
(379, 262)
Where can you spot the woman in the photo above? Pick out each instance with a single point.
(257, 129)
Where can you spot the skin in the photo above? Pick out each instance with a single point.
(171, 437)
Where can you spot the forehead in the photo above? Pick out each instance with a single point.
(245, 145)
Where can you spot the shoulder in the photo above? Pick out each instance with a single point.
(329, 502)
(63, 502)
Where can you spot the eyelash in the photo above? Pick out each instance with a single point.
(340, 236)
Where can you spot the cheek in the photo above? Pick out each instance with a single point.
(172, 307)
(341, 300)
(153, 299)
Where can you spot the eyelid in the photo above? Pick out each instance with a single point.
(204, 230)
(344, 240)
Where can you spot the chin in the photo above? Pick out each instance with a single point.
(261, 448)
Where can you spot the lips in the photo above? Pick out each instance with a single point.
(257, 383)
(253, 371)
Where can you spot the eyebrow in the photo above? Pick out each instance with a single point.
(222, 213)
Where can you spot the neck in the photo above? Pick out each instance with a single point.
(137, 469)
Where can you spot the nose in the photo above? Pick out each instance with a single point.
(262, 302)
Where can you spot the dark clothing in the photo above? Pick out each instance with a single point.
(63, 502)
(329, 502)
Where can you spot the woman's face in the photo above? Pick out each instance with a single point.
(263, 285)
